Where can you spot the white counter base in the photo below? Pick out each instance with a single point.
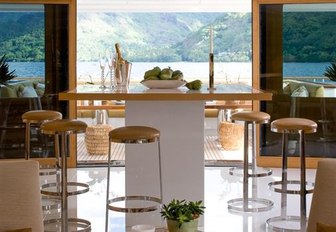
(181, 124)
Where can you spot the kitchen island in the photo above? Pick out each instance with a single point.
(179, 115)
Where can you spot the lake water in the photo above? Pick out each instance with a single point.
(228, 71)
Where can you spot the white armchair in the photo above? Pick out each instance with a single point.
(323, 206)
(20, 197)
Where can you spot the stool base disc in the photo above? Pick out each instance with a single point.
(130, 204)
(260, 172)
(284, 223)
(276, 186)
(50, 189)
(74, 224)
(253, 205)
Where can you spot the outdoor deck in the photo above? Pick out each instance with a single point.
(214, 153)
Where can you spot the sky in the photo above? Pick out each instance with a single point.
(165, 5)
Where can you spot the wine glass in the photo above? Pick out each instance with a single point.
(111, 61)
(102, 63)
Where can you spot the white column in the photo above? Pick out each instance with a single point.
(181, 124)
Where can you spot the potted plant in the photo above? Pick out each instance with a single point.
(5, 74)
(330, 71)
(182, 216)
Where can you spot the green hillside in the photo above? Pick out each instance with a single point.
(309, 37)
(22, 36)
(168, 37)
(164, 36)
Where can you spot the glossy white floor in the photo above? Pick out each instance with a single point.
(219, 188)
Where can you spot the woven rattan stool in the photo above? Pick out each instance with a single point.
(301, 127)
(133, 135)
(246, 203)
(63, 128)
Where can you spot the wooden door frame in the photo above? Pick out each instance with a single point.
(72, 15)
(264, 161)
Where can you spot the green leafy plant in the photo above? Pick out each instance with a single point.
(182, 211)
(330, 72)
(5, 74)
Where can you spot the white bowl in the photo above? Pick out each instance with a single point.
(143, 228)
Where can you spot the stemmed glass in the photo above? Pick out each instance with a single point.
(102, 62)
(111, 61)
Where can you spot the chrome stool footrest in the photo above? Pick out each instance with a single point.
(44, 187)
(253, 205)
(50, 203)
(48, 170)
(126, 199)
(276, 186)
(284, 223)
(74, 224)
(260, 172)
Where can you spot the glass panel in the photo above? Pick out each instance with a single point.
(34, 42)
(298, 43)
(162, 33)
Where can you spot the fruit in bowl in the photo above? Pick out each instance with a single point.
(167, 74)
(163, 74)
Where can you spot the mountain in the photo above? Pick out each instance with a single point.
(22, 36)
(164, 36)
(167, 37)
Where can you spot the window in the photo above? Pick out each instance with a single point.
(166, 33)
(297, 43)
(34, 41)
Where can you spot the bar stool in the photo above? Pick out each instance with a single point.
(133, 135)
(38, 117)
(63, 128)
(286, 126)
(246, 203)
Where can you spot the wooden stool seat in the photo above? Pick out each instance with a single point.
(37, 116)
(63, 125)
(134, 134)
(251, 116)
(293, 125)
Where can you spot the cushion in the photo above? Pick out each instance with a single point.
(8, 92)
(321, 227)
(28, 91)
(300, 92)
(286, 88)
(20, 230)
(319, 92)
(39, 88)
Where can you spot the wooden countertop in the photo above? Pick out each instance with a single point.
(138, 92)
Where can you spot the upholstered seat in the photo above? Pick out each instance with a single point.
(20, 197)
(38, 116)
(323, 205)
